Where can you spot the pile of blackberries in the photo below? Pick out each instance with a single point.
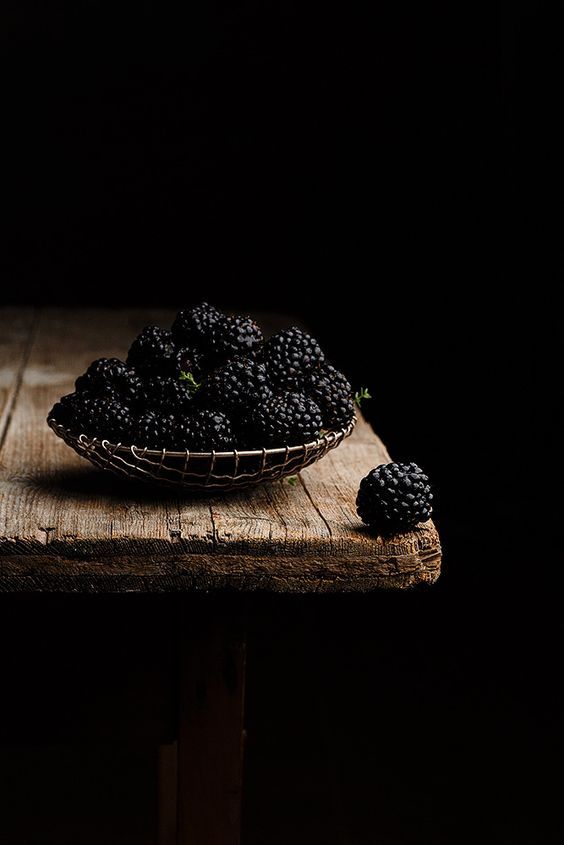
(211, 382)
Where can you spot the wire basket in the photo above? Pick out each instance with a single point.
(201, 470)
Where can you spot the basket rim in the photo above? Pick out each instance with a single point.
(142, 451)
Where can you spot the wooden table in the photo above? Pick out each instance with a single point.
(66, 527)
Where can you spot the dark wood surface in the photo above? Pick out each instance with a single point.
(65, 526)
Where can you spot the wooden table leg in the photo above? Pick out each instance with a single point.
(167, 780)
(210, 735)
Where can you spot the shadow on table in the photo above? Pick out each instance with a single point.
(87, 482)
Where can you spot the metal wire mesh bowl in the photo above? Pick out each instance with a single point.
(201, 470)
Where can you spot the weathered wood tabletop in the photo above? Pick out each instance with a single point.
(66, 526)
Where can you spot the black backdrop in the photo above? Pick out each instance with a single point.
(270, 156)
(356, 167)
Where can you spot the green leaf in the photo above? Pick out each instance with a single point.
(292, 480)
(193, 385)
(360, 395)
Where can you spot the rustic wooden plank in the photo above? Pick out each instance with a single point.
(48, 494)
(210, 737)
(332, 486)
(16, 332)
(137, 573)
(66, 526)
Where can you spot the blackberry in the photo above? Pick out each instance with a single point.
(64, 410)
(168, 394)
(291, 356)
(104, 417)
(238, 385)
(61, 414)
(195, 327)
(107, 376)
(286, 419)
(394, 497)
(152, 352)
(331, 390)
(153, 430)
(236, 336)
(203, 431)
(112, 420)
(190, 361)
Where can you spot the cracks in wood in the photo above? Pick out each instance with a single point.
(175, 534)
(179, 512)
(308, 494)
(33, 329)
(45, 535)
(430, 555)
(319, 585)
(280, 515)
(336, 469)
(214, 535)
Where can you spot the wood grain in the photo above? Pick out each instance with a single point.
(65, 526)
(16, 333)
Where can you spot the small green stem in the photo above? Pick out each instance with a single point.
(193, 385)
(360, 395)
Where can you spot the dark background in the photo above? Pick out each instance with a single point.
(387, 175)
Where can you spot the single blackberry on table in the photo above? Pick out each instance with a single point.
(195, 327)
(286, 419)
(394, 497)
(107, 376)
(153, 352)
(291, 356)
(331, 390)
(236, 336)
(236, 386)
(169, 394)
(153, 430)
